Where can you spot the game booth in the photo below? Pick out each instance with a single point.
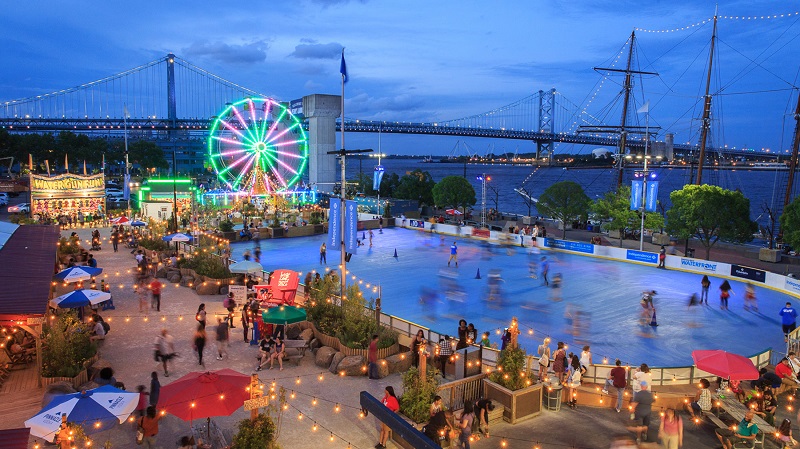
(280, 291)
(67, 194)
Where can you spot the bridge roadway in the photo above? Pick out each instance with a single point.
(199, 125)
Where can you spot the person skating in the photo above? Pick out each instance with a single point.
(453, 254)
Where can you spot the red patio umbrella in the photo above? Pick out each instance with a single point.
(453, 212)
(200, 395)
(725, 364)
(123, 220)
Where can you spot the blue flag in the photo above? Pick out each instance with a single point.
(636, 194)
(651, 200)
(334, 223)
(377, 176)
(343, 69)
(351, 227)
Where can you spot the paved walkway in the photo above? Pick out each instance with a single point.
(129, 349)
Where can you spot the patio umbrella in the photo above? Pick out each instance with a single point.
(79, 298)
(725, 364)
(284, 315)
(138, 223)
(75, 274)
(453, 212)
(200, 395)
(246, 267)
(123, 220)
(177, 237)
(95, 410)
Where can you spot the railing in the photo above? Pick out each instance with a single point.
(455, 393)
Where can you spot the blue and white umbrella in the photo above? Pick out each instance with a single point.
(75, 274)
(79, 298)
(138, 223)
(94, 410)
(177, 237)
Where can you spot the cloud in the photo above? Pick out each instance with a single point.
(312, 50)
(363, 103)
(327, 3)
(247, 53)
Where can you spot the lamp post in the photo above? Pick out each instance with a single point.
(483, 178)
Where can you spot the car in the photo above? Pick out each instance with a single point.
(111, 191)
(3, 201)
(20, 208)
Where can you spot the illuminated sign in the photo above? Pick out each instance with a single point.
(67, 183)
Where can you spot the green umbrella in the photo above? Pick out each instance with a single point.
(284, 315)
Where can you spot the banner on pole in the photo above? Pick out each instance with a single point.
(126, 189)
(351, 227)
(377, 176)
(651, 200)
(334, 221)
(636, 194)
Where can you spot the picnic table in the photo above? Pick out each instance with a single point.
(737, 410)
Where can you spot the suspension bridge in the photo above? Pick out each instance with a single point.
(171, 99)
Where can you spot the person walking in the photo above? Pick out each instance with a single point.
(323, 254)
(465, 425)
(149, 425)
(155, 289)
(155, 388)
(200, 316)
(199, 342)
(788, 320)
(222, 338)
(372, 358)
(453, 254)
(705, 283)
(115, 239)
(670, 431)
(390, 401)
(245, 322)
(445, 352)
(617, 378)
(164, 349)
(642, 410)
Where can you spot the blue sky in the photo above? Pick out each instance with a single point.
(432, 61)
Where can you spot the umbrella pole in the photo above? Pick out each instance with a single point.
(208, 428)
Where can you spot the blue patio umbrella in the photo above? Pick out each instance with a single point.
(75, 274)
(138, 223)
(95, 410)
(177, 237)
(79, 298)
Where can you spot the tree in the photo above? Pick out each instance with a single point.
(389, 184)
(147, 155)
(417, 185)
(565, 201)
(790, 223)
(614, 208)
(455, 192)
(710, 213)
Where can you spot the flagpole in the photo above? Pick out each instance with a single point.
(126, 187)
(342, 193)
(380, 217)
(646, 174)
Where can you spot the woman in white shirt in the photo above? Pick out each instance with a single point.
(642, 374)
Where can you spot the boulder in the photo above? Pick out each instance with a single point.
(207, 288)
(383, 369)
(293, 331)
(161, 273)
(174, 278)
(335, 361)
(314, 343)
(186, 280)
(323, 356)
(307, 335)
(399, 363)
(353, 365)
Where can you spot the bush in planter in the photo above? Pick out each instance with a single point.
(66, 346)
(206, 264)
(511, 369)
(67, 247)
(258, 434)
(418, 394)
(226, 226)
(154, 244)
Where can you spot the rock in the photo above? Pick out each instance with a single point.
(161, 273)
(335, 362)
(207, 288)
(307, 335)
(314, 343)
(186, 280)
(223, 290)
(353, 365)
(399, 363)
(293, 332)
(383, 369)
(174, 278)
(323, 356)
(314, 351)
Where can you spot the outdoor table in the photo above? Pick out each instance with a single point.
(737, 410)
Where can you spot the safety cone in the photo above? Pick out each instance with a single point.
(653, 321)
(478, 274)
(395, 253)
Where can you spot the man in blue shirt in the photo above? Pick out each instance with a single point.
(788, 320)
(453, 254)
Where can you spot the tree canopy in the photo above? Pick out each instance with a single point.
(710, 213)
(147, 155)
(454, 192)
(615, 212)
(790, 223)
(417, 185)
(565, 201)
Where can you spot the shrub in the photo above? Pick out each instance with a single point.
(258, 434)
(226, 226)
(418, 394)
(206, 264)
(511, 369)
(66, 346)
(154, 244)
(68, 247)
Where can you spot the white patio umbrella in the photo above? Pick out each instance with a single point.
(246, 267)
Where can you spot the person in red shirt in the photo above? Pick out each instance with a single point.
(784, 371)
(618, 379)
(155, 288)
(390, 401)
(372, 357)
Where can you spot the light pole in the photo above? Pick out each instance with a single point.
(483, 178)
(645, 174)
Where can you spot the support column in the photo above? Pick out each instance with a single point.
(322, 111)
(172, 113)
(546, 103)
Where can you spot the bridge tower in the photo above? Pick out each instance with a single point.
(546, 104)
(172, 114)
(322, 111)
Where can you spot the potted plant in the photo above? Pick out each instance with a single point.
(66, 350)
(260, 433)
(418, 394)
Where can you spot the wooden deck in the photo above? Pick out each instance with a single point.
(21, 397)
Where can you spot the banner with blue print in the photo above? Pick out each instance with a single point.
(568, 245)
(636, 194)
(651, 199)
(334, 225)
(377, 177)
(641, 256)
(351, 227)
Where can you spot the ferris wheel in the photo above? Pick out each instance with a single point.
(258, 146)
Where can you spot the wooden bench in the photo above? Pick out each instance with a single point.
(298, 350)
(713, 418)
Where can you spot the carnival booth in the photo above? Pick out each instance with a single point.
(281, 290)
(67, 194)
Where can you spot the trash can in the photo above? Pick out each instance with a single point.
(553, 397)
(689, 252)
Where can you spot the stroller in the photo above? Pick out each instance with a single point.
(96, 241)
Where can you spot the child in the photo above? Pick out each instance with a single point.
(485, 340)
(785, 434)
